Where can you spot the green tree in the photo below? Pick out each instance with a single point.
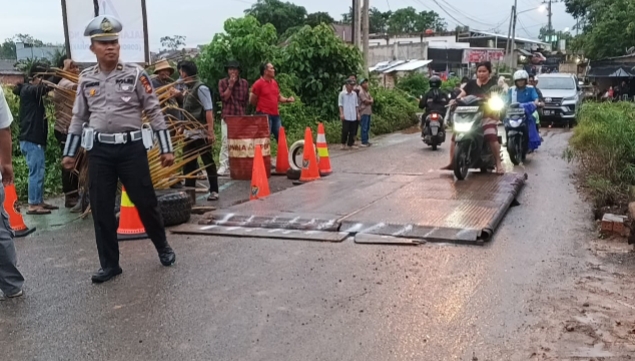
(282, 15)
(378, 21)
(610, 28)
(408, 20)
(315, 19)
(7, 49)
(173, 42)
(577, 8)
(244, 40)
(321, 61)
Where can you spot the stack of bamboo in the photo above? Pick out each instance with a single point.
(162, 178)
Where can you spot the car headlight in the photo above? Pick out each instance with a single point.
(570, 99)
(495, 103)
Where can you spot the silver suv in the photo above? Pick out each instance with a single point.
(563, 97)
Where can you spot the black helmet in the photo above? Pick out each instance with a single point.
(435, 82)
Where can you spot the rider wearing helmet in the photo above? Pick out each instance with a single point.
(435, 99)
(522, 92)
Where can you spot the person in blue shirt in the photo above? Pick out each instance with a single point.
(527, 96)
(522, 92)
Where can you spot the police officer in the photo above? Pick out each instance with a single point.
(110, 98)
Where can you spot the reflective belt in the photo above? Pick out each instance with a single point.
(119, 138)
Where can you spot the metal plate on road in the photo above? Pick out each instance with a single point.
(251, 232)
(430, 206)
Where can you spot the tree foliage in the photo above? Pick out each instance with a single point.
(311, 66)
(173, 42)
(244, 40)
(282, 15)
(610, 29)
(315, 19)
(321, 60)
(401, 21)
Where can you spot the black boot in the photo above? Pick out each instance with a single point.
(102, 276)
(167, 256)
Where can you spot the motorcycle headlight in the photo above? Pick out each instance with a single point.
(495, 103)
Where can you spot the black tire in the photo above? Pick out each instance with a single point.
(461, 161)
(513, 148)
(176, 208)
(293, 174)
(435, 147)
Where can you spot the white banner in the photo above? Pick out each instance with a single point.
(132, 40)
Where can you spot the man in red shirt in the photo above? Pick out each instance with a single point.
(265, 96)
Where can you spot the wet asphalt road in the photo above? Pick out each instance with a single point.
(259, 299)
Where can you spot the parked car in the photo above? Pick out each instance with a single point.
(563, 97)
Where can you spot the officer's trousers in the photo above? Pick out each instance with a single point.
(129, 163)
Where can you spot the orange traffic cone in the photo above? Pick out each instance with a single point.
(310, 170)
(282, 158)
(15, 218)
(324, 162)
(259, 181)
(130, 226)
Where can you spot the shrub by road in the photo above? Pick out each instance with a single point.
(604, 145)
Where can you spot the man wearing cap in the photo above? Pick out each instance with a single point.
(107, 118)
(365, 110)
(162, 77)
(234, 94)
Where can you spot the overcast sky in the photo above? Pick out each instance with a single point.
(199, 20)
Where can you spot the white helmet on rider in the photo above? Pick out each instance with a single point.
(521, 75)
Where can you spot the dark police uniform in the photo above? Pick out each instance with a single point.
(112, 104)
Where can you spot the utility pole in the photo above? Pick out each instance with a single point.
(513, 45)
(366, 26)
(509, 32)
(357, 23)
(354, 22)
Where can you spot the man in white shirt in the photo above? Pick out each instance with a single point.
(11, 279)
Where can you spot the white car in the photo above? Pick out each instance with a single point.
(563, 97)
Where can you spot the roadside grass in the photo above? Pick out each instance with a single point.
(603, 144)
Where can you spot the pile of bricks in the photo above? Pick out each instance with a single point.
(614, 224)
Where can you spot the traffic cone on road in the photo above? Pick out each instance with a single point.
(310, 169)
(282, 158)
(130, 226)
(259, 181)
(15, 218)
(324, 163)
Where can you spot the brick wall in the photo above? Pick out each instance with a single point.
(11, 79)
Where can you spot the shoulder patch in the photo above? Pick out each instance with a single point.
(145, 81)
(88, 70)
(133, 66)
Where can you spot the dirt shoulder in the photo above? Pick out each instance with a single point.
(588, 313)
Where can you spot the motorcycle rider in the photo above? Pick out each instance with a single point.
(481, 87)
(435, 99)
(522, 93)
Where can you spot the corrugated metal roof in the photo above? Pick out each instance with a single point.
(409, 66)
(385, 65)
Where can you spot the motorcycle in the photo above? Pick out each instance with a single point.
(433, 130)
(517, 133)
(471, 150)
